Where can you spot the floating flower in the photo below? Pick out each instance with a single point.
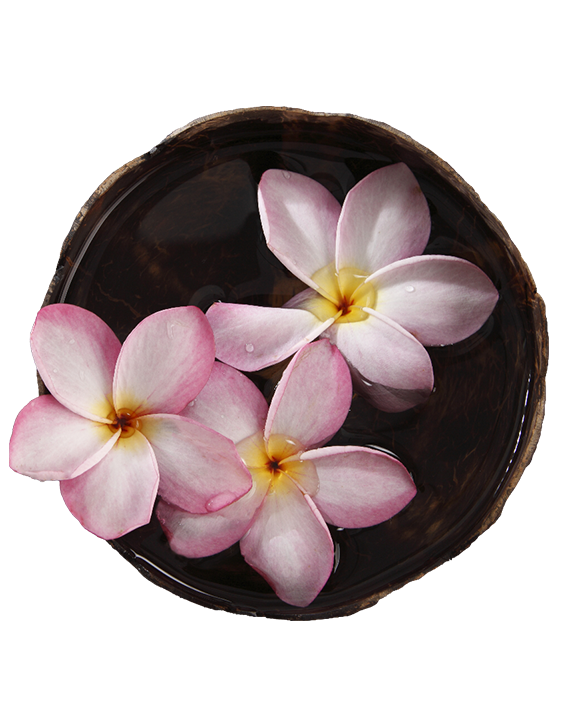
(372, 292)
(297, 484)
(111, 429)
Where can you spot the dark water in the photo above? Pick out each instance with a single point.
(182, 228)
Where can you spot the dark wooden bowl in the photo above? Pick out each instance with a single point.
(180, 226)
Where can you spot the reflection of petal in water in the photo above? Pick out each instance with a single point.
(387, 398)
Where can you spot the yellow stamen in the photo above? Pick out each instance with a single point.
(125, 421)
(344, 295)
(278, 456)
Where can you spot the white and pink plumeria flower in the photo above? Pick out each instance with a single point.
(298, 485)
(110, 430)
(371, 290)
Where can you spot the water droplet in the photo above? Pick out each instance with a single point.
(71, 341)
(220, 501)
(249, 347)
(171, 328)
(286, 175)
(410, 288)
(191, 403)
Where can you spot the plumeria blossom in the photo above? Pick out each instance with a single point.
(298, 485)
(371, 291)
(110, 430)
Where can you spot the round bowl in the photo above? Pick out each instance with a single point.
(180, 225)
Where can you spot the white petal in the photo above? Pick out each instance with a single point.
(164, 362)
(49, 442)
(253, 337)
(230, 404)
(383, 353)
(359, 487)
(199, 535)
(200, 470)
(75, 353)
(439, 299)
(289, 544)
(299, 219)
(117, 495)
(313, 397)
(384, 218)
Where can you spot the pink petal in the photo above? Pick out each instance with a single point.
(230, 404)
(164, 362)
(253, 337)
(200, 470)
(439, 299)
(299, 219)
(49, 442)
(75, 353)
(385, 217)
(313, 397)
(290, 545)
(117, 495)
(199, 535)
(359, 486)
(385, 354)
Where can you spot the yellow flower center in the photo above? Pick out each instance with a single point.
(125, 421)
(344, 294)
(278, 456)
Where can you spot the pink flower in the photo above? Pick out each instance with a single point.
(372, 292)
(110, 431)
(297, 484)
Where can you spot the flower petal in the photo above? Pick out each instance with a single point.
(117, 495)
(200, 470)
(164, 362)
(75, 353)
(230, 404)
(385, 218)
(199, 535)
(313, 397)
(385, 354)
(299, 219)
(359, 486)
(290, 545)
(315, 303)
(253, 337)
(49, 442)
(439, 299)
